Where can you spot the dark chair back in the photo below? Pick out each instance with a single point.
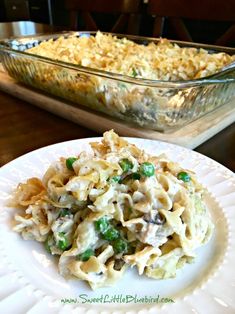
(177, 10)
(128, 11)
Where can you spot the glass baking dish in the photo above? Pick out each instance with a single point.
(153, 104)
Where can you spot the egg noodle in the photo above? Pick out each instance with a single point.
(116, 207)
(157, 61)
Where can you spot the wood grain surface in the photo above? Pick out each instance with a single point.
(24, 128)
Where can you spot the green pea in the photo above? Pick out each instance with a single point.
(63, 242)
(85, 255)
(184, 176)
(126, 164)
(147, 169)
(116, 179)
(110, 234)
(135, 176)
(120, 246)
(69, 162)
(64, 212)
(122, 86)
(102, 224)
(134, 73)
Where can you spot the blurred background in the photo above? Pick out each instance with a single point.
(203, 21)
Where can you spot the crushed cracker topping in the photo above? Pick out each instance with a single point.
(162, 61)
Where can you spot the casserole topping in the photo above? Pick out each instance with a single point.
(161, 61)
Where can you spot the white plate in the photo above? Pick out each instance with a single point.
(30, 283)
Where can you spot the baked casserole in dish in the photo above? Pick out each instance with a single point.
(154, 83)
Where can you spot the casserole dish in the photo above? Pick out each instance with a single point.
(156, 104)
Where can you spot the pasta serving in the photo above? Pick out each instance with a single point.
(115, 208)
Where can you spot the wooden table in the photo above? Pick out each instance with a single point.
(24, 127)
(24, 28)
